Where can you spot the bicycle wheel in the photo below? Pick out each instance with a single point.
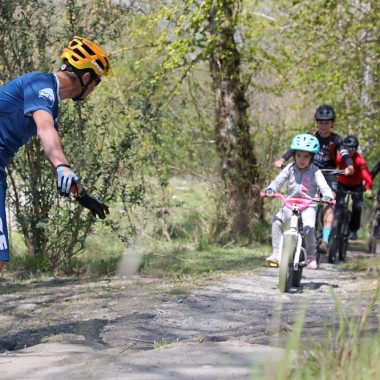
(318, 230)
(297, 274)
(343, 241)
(317, 256)
(373, 243)
(286, 263)
(334, 240)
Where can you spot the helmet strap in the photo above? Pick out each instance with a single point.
(84, 87)
(79, 74)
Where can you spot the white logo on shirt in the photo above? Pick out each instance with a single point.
(47, 93)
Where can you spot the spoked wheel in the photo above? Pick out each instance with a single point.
(318, 256)
(318, 230)
(286, 263)
(343, 242)
(334, 246)
(334, 241)
(343, 248)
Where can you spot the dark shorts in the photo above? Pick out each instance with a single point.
(331, 181)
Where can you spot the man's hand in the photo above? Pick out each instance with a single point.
(278, 163)
(349, 170)
(65, 178)
(96, 207)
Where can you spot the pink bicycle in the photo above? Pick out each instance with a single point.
(292, 251)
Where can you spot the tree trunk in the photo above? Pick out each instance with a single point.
(234, 145)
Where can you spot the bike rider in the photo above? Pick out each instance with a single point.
(354, 183)
(304, 181)
(29, 106)
(330, 144)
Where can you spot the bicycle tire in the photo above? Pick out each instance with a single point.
(317, 256)
(297, 274)
(334, 241)
(373, 243)
(343, 241)
(318, 229)
(286, 263)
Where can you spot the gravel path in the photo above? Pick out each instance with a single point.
(139, 328)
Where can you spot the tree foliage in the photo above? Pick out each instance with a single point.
(214, 88)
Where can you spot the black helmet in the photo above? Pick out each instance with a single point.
(351, 142)
(325, 112)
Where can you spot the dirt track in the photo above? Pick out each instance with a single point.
(140, 328)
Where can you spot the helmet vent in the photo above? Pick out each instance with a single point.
(88, 49)
(99, 62)
(77, 51)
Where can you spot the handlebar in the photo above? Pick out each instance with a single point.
(290, 202)
(333, 171)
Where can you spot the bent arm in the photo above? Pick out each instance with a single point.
(367, 177)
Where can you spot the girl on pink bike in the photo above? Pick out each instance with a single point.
(305, 180)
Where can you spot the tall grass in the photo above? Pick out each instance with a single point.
(350, 351)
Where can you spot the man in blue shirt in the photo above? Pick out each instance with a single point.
(29, 106)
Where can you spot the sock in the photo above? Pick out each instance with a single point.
(326, 233)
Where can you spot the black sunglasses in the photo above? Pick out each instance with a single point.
(97, 80)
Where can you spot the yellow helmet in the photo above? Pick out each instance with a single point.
(84, 54)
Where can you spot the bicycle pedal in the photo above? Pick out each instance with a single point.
(272, 264)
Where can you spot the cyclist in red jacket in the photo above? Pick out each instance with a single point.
(359, 183)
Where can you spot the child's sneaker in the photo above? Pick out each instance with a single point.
(312, 262)
(272, 260)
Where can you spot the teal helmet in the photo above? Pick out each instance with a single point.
(306, 143)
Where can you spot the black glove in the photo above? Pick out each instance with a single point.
(96, 207)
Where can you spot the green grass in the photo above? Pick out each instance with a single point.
(178, 260)
(349, 351)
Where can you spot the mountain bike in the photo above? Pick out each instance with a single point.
(321, 213)
(292, 251)
(340, 230)
(374, 233)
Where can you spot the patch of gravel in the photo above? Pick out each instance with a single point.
(146, 330)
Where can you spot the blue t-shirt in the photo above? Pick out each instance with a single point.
(19, 98)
